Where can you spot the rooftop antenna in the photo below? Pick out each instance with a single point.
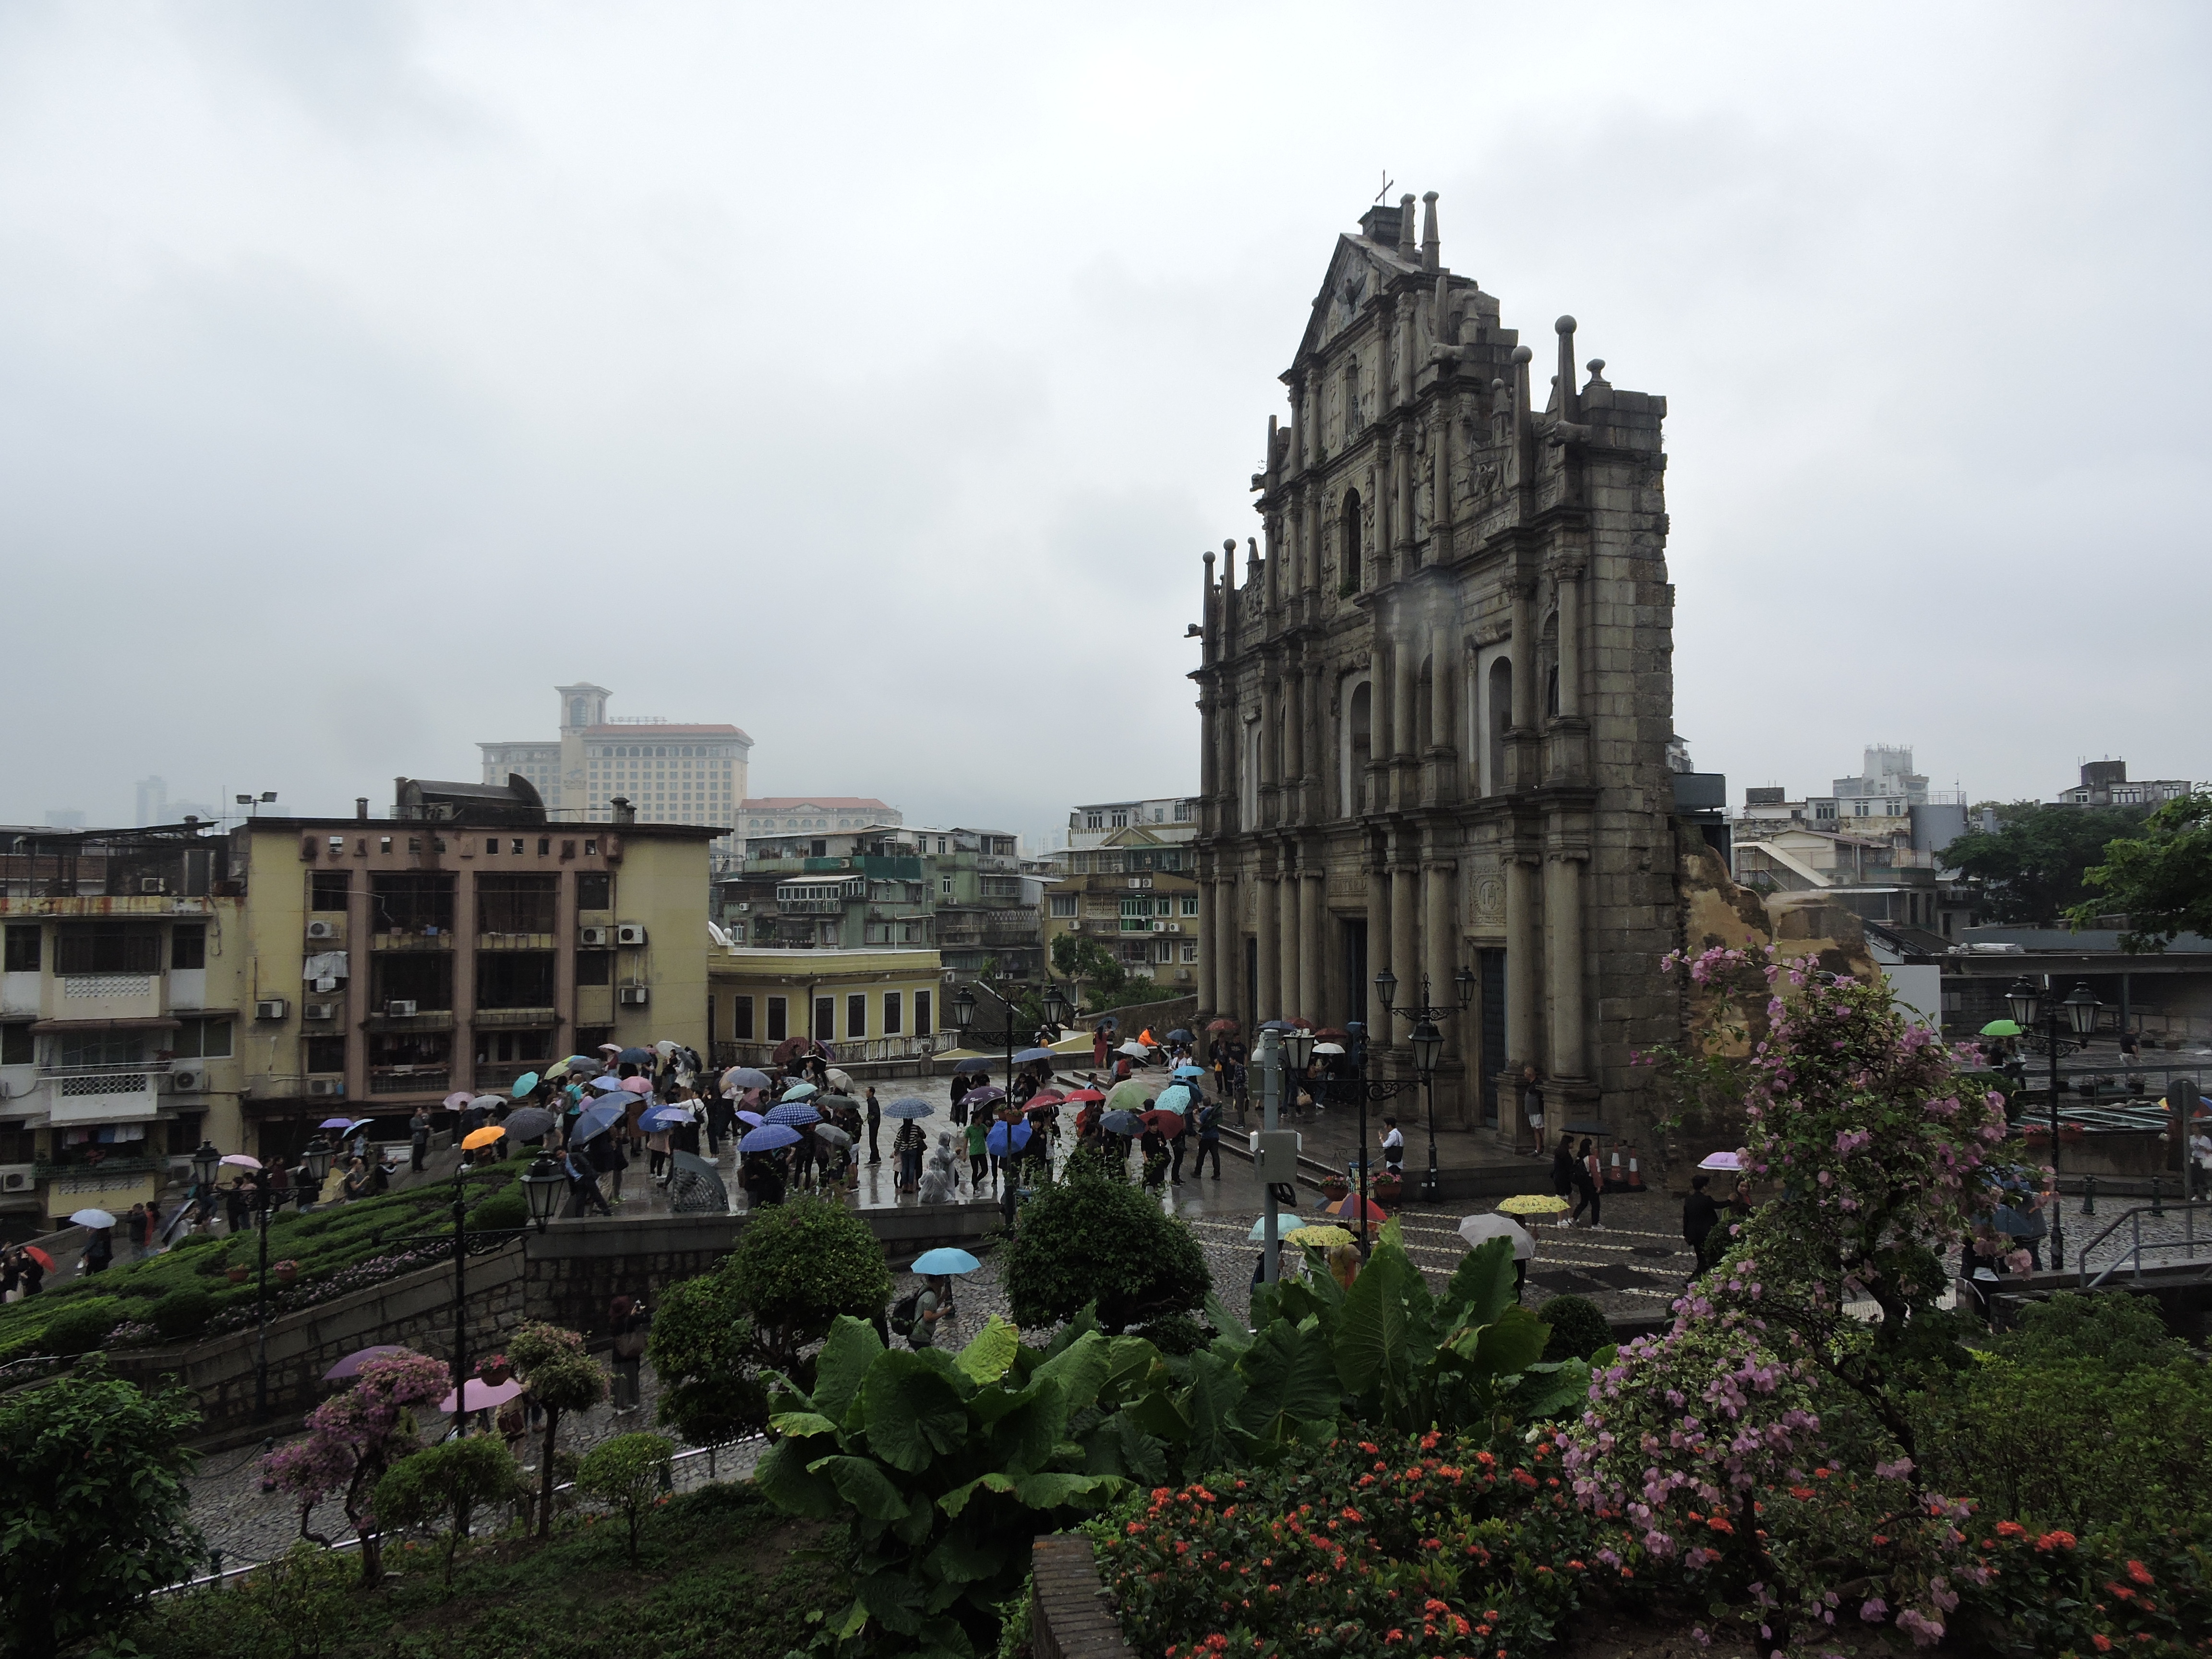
(1387, 182)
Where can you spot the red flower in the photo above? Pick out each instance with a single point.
(2101, 1642)
(2140, 1573)
(2011, 1529)
(2056, 1540)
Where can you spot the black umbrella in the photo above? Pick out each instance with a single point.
(637, 1057)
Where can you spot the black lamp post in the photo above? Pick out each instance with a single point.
(1428, 1046)
(207, 1164)
(1056, 1013)
(2030, 1007)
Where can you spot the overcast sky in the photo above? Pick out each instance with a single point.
(873, 377)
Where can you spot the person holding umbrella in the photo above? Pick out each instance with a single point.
(584, 1194)
(908, 1145)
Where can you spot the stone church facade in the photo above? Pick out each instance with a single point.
(1437, 707)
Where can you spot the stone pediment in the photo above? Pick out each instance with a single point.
(1358, 270)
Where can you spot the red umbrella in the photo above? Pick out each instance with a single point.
(1330, 1034)
(1168, 1124)
(1046, 1098)
(39, 1256)
(1219, 1025)
(1348, 1206)
(1079, 1096)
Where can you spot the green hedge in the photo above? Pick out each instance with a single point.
(323, 1242)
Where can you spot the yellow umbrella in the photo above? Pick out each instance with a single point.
(1325, 1238)
(1532, 1204)
(476, 1139)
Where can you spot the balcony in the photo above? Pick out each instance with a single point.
(498, 1018)
(811, 907)
(409, 1079)
(102, 1094)
(427, 938)
(514, 941)
(105, 996)
(492, 1074)
(429, 1019)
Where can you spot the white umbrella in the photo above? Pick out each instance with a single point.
(832, 1136)
(1479, 1229)
(1328, 1047)
(841, 1082)
(1720, 1161)
(92, 1219)
(1135, 1049)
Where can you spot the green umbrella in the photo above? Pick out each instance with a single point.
(1131, 1095)
(2002, 1028)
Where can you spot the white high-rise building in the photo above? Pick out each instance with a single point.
(670, 772)
(152, 801)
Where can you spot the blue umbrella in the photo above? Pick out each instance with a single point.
(973, 1063)
(1189, 1071)
(743, 1077)
(768, 1137)
(663, 1117)
(944, 1260)
(799, 1091)
(910, 1106)
(1176, 1097)
(606, 1085)
(595, 1122)
(1180, 1037)
(1006, 1139)
(1028, 1056)
(524, 1085)
(1122, 1123)
(637, 1057)
(1284, 1222)
(796, 1112)
(1278, 1025)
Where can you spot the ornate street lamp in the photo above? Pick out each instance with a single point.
(1428, 1045)
(2030, 1004)
(207, 1163)
(963, 1007)
(1057, 1012)
(543, 1187)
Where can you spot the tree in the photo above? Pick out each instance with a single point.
(2032, 865)
(627, 1473)
(354, 1438)
(797, 1266)
(1085, 1241)
(2161, 880)
(701, 1349)
(561, 1377)
(91, 1507)
(1088, 961)
(450, 1482)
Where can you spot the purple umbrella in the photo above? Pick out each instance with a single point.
(351, 1364)
(335, 1123)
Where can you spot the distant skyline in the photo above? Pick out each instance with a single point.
(874, 381)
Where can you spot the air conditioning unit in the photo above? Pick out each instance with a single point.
(633, 996)
(271, 1008)
(630, 932)
(5, 1091)
(325, 1086)
(1175, 927)
(591, 936)
(322, 930)
(152, 885)
(1182, 975)
(1159, 928)
(188, 1079)
(319, 1010)
(399, 1011)
(17, 1181)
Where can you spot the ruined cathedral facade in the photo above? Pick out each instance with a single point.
(1437, 707)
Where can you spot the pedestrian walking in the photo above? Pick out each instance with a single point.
(418, 1138)
(875, 1122)
(1587, 1188)
(1563, 1168)
(910, 1143)
(1532, 1107)
(584, 1194)
(1700, 1216)
(1209, 1139)
(609, 1156)
(32, 1272)
(979, 1153)
(626, 1322)
(1154, 1145)
(99, 1250)
(1393, 1149)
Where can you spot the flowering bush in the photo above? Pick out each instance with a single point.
(1400, 1547)
(354, 1438)
(2112, 1592)
(1877, 1139)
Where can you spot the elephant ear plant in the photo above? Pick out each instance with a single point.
(947, 1466)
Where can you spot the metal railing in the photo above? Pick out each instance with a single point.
(2131, 1257)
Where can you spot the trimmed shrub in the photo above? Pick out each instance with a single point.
(84, 1325)
(504, 1210)
(797, 1266)
(182, 1313)
(447, 1484)
(628, 1473)
(1578, 1328)
(2117, 1329)
(1087, 1241)
(1175, 1335)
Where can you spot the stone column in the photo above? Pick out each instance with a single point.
(1403, 731)
(1520, 772)
(1439, 960)
(1289, 939)
(1293, 807)
(1570, 641)
(1206, 1005)
(1267, 928)
(1271, 734)
(1441, 681)
(1523, 999)
(1563, 960)
(1313, 922)
(1405, 936)
(1225, 928)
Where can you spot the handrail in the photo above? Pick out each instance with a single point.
(2132, 1256)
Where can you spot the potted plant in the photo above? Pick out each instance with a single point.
(1335, 1189)
(235, 1273)
(493, 1369)
(286, 1271)
(1386, 1188)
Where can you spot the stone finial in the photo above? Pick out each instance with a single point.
(1406, 250)
(1569, 403)
(1431, 250)
(1252, 560)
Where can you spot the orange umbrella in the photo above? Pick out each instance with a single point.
(476, 1139)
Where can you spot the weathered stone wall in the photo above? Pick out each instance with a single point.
(1069, 1616)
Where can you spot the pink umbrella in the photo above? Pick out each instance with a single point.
(458, 1099)
(240, 1160)
(353, 1362)
(482, 1396)
(610, 1047)
(638, 1085)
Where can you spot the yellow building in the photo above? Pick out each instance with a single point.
(1150, 921)
(870, 1003)
(164, 985)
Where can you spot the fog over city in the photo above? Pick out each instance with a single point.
(874, 378)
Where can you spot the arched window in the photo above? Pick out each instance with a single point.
(1551, 661)
(1501, 719)
(1355, 574)
(1248, 789)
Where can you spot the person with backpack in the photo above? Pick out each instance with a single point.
(910, 1143)
(914, 1315)
(1209, 1139)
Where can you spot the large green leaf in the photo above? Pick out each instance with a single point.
(914, 1414)
(801, 1425)
(1023, 1438)
(958, 1498)
(1085, 1323)
(1290, 1375)
(1215, 1390)
(1482, 1285)
(782, 1476)
(861, 1482)
(1117, 1446)
(1552, 1390)
(1512, 1342)
(1373, 1333)
(963, 1556)
(991, 1351)
(1052, 1492)
(852, 1347)
(1078, 1371)
(1232, 1335)
(894, 1599)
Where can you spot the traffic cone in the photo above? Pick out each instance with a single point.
(1635, 1174)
